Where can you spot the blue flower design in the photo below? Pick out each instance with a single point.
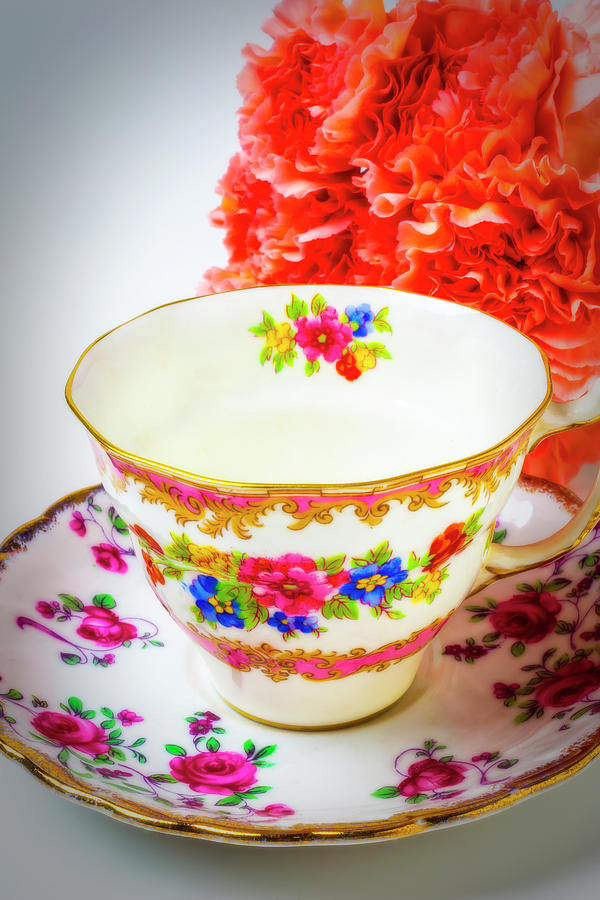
(204, 591)
(306, 624)
(281, 622)
(360, 319)
(369, 583)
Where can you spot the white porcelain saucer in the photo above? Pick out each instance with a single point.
(105, 700)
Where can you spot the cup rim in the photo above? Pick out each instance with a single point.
(377, 485)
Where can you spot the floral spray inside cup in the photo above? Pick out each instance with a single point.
(312, 476)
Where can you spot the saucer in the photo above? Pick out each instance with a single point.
(104, 699)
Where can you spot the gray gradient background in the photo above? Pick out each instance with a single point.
(117, 119)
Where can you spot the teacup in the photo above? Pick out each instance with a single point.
(312, 475)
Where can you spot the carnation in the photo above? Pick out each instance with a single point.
(446, 148)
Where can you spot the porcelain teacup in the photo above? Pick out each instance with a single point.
(311, 476)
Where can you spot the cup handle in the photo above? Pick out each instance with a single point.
(503, 560)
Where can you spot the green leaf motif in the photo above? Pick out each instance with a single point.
(340, 608)
(255, 791)
(499, 536)
(518, 648)
(296, 308)
(180, 548)
(331, 564)
(233, 800)
(379, 350)
(175, 750)
(265, 751)
(311, 366)
(171, 572)
(71, 602)
(13, 694)
(386, 793)
(268, 320)
(472, 525)
(556, 584)
(380, 322)
(524, 716)
(71, 659)
(75, 704)
(212, 744)
(380, 554)
(63, 756)
(278, 362)
(160, 778)
(265, 354)
(104, 601)
(395, 614)
(317, 304)
(117, 522)
(249, 748)
(117, 753)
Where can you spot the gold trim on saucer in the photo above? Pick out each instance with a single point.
(365, 487)
(579, 754)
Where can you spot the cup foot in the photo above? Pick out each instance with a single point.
(349, 724)
(303, 704)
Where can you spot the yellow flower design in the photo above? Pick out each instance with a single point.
(365, 359)
(428, 588)
(210, 560)
(280, 338)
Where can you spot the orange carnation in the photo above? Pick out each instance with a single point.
(448, 148)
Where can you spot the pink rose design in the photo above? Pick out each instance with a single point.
(292, 582)
(126, 717)
(431, 775)
(105, 628)
(71, 731)
(323, 336)
(527, 616)
(275, 811)
(203, 725)
(568, 684)
(47, 610)
(77, 523)
(214, 773)
(109, 558)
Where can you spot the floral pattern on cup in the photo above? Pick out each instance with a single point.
(428, 773)
(96, 623)
(327, 336)
(92, 744)
(110, 553)
(554, 624)
(296, 595)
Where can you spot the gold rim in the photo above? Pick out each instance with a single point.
(578, 755)
(222, 485)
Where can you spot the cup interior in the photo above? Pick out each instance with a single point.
(191, 386)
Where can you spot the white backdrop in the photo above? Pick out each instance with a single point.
(118, 118)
